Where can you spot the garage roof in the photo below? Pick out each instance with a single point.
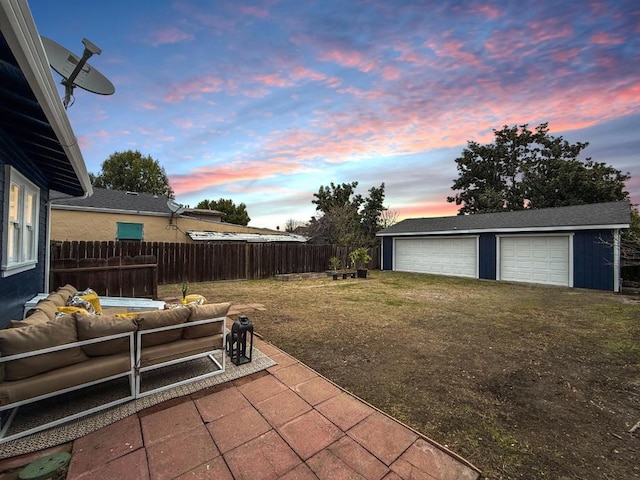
(577, 217)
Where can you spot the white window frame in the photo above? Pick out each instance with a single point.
(23, 255)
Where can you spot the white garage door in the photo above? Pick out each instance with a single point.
(445, 256)
(535, 259)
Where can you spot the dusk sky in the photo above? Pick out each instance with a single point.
(263, 102)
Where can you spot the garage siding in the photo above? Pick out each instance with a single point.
(593, 260)
(387, 253)
(487, 256)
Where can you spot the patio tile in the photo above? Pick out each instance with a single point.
(327, 466)
(106, 444)
(382, 436)
(172, 421)
(266, 348)
(359, 459)
(215, 469)
(309, 433)
(294, 374)
(267, 457)
(427, 459)
(232, 430)
(221, 403)
(316, 390)
(132, 466)
(394, 476)
(262, 389)
(180, 453)
(301, 472)
(282, 407)
(282, 360)
(344, 410)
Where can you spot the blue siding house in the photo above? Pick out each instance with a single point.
(38, 154)
(576, 246)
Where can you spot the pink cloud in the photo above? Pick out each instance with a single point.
(149, 106)
(255, 11)
(489, 11)
(346, 58)
(454, 49)
(563, 56)
(238, 171)
(604, 38)
(168, 36)
(273, 80)
(193, 88)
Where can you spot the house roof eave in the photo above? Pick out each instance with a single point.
(21, 34)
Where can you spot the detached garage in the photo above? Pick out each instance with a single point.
(574, 246)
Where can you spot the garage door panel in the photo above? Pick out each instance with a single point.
(445, 256)
(535, 259)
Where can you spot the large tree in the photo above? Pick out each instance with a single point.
(346, 218)
(131, 172)
(531, 169)
(233, 213)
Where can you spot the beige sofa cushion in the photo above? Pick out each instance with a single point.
(66, 291)
(46, 306)
(203, 312)
(58, 299)
(96, 326)
(38, 317)
(35, 337)
(162, 318)
(93, 369)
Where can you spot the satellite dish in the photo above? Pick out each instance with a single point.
(175, 207)
(75, 71)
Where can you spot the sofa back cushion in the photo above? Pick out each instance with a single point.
(46, 306)
(58, 299)
(203, 312)
(35, 337)
(38, 317)
(162, 318)
(96, 326)
(66, 291)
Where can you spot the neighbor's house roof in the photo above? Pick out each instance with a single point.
(105, 200)
(33, 123)
(244, 237)
(578, 217)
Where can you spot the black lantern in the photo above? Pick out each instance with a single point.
(237, 341)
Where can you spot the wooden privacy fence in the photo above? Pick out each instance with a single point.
(114, 276)
(203, 262)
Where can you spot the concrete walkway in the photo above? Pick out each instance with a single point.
(284, 423)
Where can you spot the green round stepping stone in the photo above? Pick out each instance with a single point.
(45, 467)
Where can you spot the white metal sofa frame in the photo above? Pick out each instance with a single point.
(8, 412)
(209, 353)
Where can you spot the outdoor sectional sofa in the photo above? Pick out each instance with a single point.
(48, 354)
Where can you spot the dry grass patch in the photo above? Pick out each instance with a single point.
(524, 381)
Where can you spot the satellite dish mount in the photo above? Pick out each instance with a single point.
(75, 71)
(175, 208)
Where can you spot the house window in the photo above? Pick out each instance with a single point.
(20, 242)
(129, 231)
